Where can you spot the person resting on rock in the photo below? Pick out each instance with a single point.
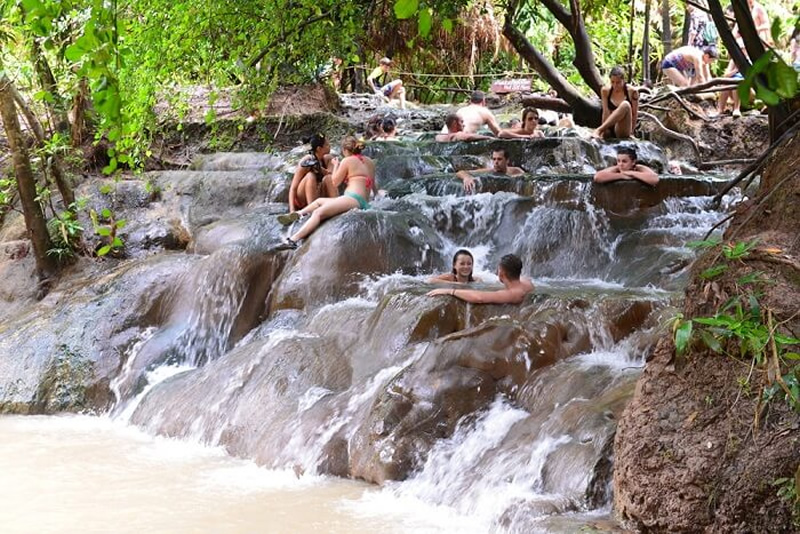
(455, 131)
(312, 179)
(620, 107)
(462, 269)
(528, 129)
(627, 168)
(355, 170)
(499, 166)
(514, 291)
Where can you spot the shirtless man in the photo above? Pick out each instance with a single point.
(686, 65)
(761, 21)
(499, 166)
(455, 131)
(627, 168)
(508, 270)
(476, 114)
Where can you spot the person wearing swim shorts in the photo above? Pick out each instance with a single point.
(685, 66)
(355, 170)
(380, 83)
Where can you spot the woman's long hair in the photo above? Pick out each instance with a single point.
(463, 252)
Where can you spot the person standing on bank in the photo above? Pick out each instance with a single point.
(381, 84)
(620, 107)
(514, 291)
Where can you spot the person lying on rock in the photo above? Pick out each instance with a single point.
(508, 270)
(528, 129)
(462, 269)
(312, 179)
(627, 168)
(455, 131)
(355, 170)
(620, 107)
(499, 166)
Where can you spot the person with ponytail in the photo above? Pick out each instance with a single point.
(462, 269)
(312, 179)
(355, 170)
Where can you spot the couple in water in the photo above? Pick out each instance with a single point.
(355, 170)
(508, 271)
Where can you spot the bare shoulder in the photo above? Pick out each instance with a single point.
(633, 92)
(515, 171)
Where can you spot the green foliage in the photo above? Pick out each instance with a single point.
(772, 79)
(65, 234)
(106, 226)
(8, 190)
(741, 327)
(788, 489)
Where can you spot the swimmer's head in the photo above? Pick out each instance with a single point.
(462, 264)
(626, 158)
(500, 160)
(510, 267)
(454, 123)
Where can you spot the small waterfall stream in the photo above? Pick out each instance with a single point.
(331, 360)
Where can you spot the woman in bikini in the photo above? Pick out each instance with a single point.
(312, 179)
(528, 128)
(355, 170)
(462, 269)
(620, 107)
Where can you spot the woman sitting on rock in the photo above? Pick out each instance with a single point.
(620, 107)
(355, 170)
(312, 178)
(529, 127)
(462, 269)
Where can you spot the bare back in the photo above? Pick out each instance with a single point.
(358, 172)
(475, 116)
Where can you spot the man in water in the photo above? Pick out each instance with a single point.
(476, 114)
(627, 168)
(455, 131)
(381, 85)
(499, 166)
(508, 270)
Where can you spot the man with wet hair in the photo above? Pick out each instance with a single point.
(514, 291)
(455, 131)
(476, 114)
(499, 166)
(627, 168)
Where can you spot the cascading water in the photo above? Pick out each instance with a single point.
(334, 361)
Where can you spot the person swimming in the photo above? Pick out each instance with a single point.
(528, 128)
(312, 179)
(462, 269)
(514, 291)
(355, 170)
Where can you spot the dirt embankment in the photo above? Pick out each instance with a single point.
(697, 450)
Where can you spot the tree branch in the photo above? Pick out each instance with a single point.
(672, 133)
(298, 29)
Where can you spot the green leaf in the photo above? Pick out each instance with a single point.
(74, 53)
(683, 334)
(404, 9)
(786, 340)
(117, 243)
(104, 250)
(766, 94)
(106, 213)
(425, 22)
(791, 356)
(775, 30)
(104, 231)
(447, 24)
(785, 79)
(713, 272)
(121, 224)
(106, 189)
(710, 341)
(707, 243)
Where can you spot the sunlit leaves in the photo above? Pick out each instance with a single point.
(405, 9)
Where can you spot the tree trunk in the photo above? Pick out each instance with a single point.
(26, 184)
(666, 28)
(687, 26)
(79, 113)
(646, 44)
(631, 18)
(58, 118)
(54, 162)
(584, 56)
(585, 112)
